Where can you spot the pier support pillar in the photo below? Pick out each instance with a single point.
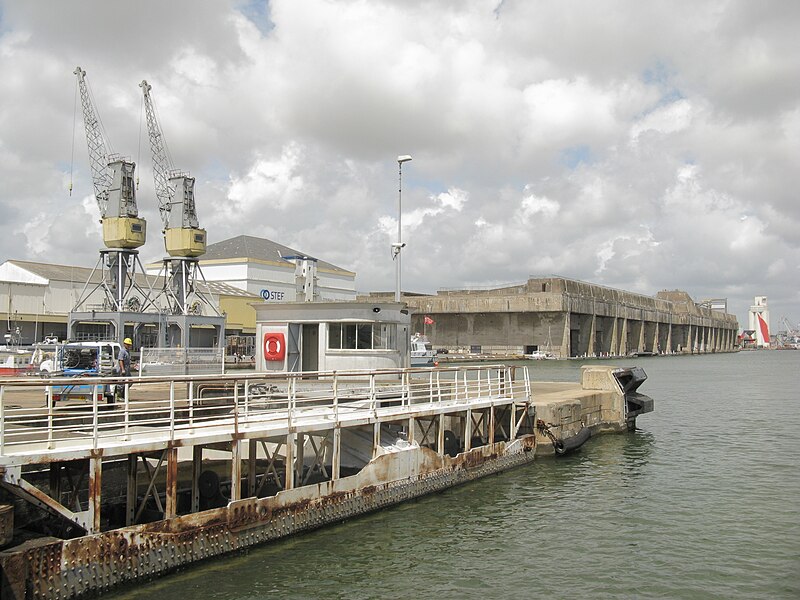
(197, 467)
(236, 470)
(468, 431)
(376, 438)
(171, 507)
(130, 501)
(300, 453)
(491, 425)
(252, 456)
(55, 481)
(440, 436)
(95, 496)
(336, 459)
(289, 476)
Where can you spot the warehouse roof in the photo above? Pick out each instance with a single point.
(14, 270)
(247, 246)
(69, 273)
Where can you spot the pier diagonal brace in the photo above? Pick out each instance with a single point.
(14, 484)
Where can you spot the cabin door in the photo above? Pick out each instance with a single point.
(293, 348)
(310, 360)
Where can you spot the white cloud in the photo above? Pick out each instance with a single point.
(269, 183)
(608, 142)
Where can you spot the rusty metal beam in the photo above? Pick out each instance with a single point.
(236, 470)
(132, 489)
(289, 466)
(95, 492)
(197, 468)
(171, 492)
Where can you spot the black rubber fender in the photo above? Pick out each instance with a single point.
(573, 443)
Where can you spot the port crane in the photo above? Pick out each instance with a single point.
(184, 239)
(123, 229)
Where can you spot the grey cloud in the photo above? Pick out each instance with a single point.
(597, 107)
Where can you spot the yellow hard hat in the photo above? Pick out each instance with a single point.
(127, 341)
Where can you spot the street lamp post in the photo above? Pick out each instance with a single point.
(398, 246)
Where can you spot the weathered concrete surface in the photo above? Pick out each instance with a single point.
(571, 318)
(597, 403)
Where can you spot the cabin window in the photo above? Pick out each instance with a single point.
(334, 335)
(360, 336)
(383, 336)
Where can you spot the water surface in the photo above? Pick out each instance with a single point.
(702, 501)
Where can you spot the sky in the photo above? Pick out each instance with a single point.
(639, 145)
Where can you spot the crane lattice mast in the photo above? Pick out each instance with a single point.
(98, 148)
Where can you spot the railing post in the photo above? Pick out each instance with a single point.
(335, 398)
(95, 418)
(235, 407)
(2, 421)
(246, 398)
(430, 387)
(126, 409)
(528, 385)
(49, 417)
(290, 403)
(191, 406)
(373, 401)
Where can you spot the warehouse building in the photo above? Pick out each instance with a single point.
(36, 298)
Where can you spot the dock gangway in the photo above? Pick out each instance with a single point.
(275, 431)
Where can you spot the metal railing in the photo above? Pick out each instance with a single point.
(181, 361)
(42, 418)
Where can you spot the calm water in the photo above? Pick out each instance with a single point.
(703, 501)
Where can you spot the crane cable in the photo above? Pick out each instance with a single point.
(74, 121)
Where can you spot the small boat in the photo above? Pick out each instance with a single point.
(422, 353)
(14, 363)
(540, 355)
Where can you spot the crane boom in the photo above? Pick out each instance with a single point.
(174, 190)
(113, 179)
(98, 148)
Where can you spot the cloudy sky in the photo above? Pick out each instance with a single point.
(640, 145)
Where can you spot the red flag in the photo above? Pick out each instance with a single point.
(428, 320)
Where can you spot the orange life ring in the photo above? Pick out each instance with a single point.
(274, 346)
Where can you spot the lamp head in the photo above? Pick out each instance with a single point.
(403, 158)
